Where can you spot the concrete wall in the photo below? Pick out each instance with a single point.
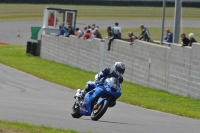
(175, 69)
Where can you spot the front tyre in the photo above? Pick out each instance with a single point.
(99, 111)
(75, 111)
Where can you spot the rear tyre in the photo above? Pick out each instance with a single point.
(99, 111)
(76, 111)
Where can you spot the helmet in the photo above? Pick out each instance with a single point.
(118, 68)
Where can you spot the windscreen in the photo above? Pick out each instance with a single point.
(113, 82)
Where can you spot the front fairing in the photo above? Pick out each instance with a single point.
(100, 90)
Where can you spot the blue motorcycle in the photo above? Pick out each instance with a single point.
(96, 102)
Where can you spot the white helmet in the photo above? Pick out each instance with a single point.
(119, 68)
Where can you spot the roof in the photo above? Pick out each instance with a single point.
(60, 9)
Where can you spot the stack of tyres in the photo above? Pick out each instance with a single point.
(28, 47)
(34, 48)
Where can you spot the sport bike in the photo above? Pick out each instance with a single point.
(96, 102)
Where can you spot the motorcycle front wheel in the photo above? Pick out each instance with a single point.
(98, 111)
(76, 111)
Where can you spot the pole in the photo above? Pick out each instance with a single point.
(163, 22)
(177, 20)
(101, 56)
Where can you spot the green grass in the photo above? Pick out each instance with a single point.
(15, 56)
(155, 33)
(16, 127)
(35, 12)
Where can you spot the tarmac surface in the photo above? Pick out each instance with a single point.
(9, 29)
(25, 98)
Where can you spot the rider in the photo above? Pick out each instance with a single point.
(117, 70)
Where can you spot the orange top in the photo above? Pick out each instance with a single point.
(51, 21)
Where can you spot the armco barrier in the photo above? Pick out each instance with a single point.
(175, 69)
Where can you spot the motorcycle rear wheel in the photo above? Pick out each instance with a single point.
(76, 111)
(99, 112)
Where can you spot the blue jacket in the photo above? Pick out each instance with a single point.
(169, 37)
(62, 32)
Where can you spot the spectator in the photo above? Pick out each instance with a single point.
(92, 28)
(169, 36)
(185, 40)
(70, 30)
(116, 34)
(97, 34)
(87, 35)
(132, 37)
(117, 30)
(51, 20)
(145, 34)
(85, 29)
(89, 28)
(110, 33)
(78, 32)
(94, 25)
(62, 32)
(191, 36)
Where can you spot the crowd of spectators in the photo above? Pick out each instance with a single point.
(88, 32)
(145, 35)
(115, 32)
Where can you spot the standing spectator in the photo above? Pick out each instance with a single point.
(78, 32)
(62, 32)
(145, 34)
(70, 31)
(132, 37)
(51, 20)
(191, 36)
(169, 36)
(118, 30)
(116, 34)
(185, 40)
(97, 34)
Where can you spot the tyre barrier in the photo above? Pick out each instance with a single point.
(33, 48)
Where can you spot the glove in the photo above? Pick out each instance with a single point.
(100, 82)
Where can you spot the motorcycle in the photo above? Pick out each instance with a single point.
(96, 102)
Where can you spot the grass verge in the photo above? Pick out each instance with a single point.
(35, 12)
(16, 127)
(74, 78)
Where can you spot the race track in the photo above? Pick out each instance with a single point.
(26, 98)
(9, 29)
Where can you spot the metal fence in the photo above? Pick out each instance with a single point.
(186, 3)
